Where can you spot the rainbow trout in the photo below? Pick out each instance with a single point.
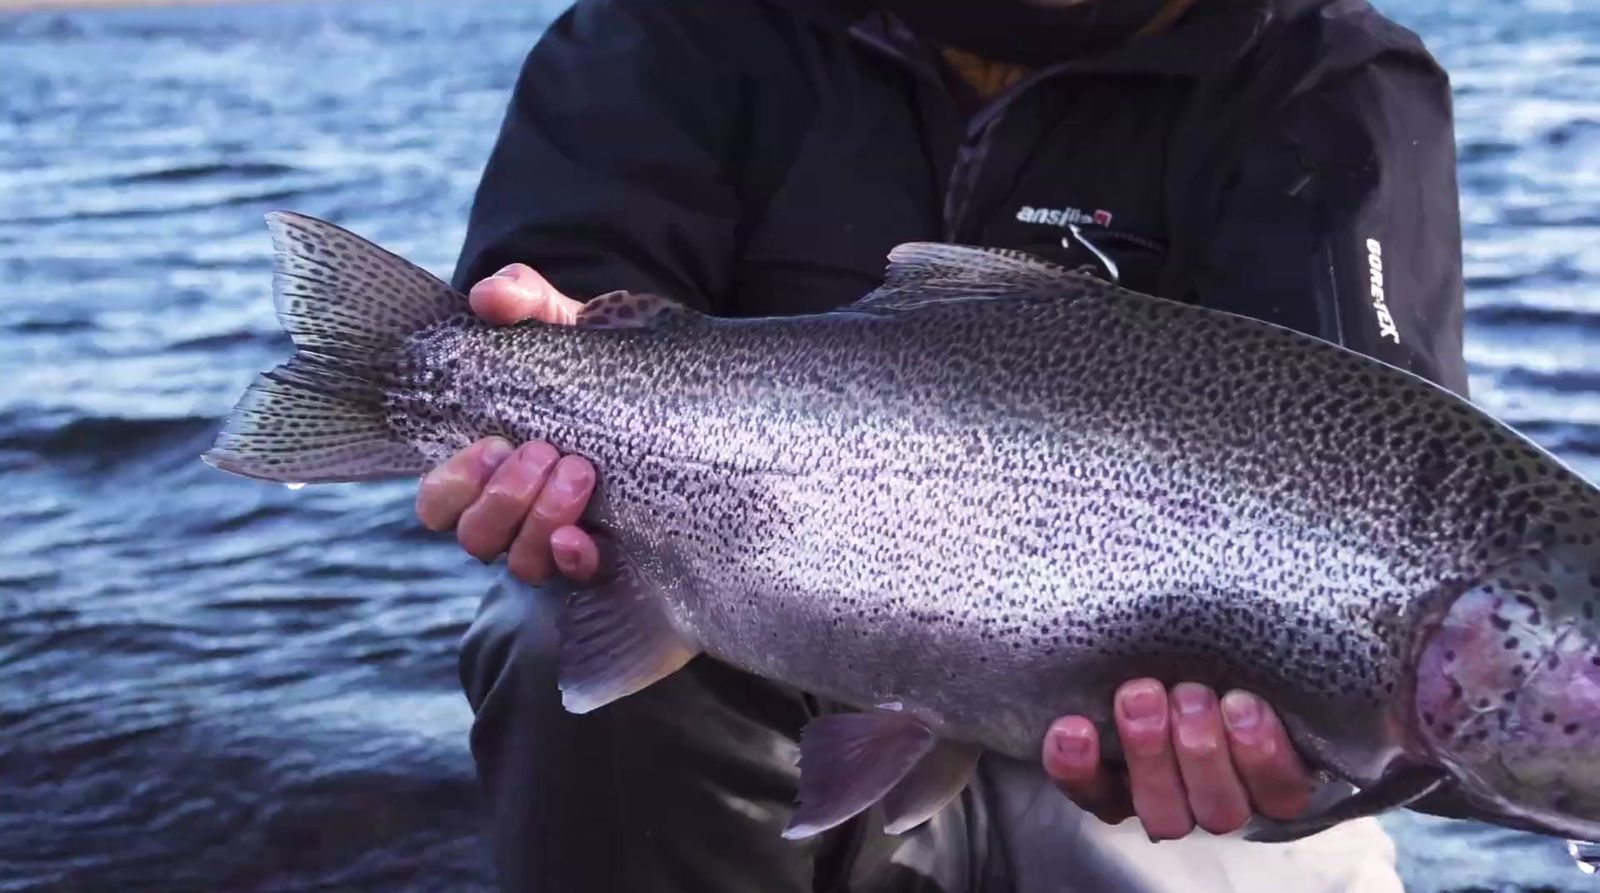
(983, 496)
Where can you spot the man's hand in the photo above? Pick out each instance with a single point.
(1192, 760)
(523, 503)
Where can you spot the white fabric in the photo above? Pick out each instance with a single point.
(1057, 848)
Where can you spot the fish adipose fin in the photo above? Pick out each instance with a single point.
(850, 761)
(320, 417)
(923, 273)
(1400, 787)
(629, 310)
(616, 639)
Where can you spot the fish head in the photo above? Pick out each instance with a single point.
(1507, 693)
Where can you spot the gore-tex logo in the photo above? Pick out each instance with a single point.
(1063, 216)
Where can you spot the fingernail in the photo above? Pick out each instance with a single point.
(1072, 745)
(535, 458)
(494, 454)
(1241, 711)
(1142, 704)
(568, 483)
(566, 553)
(1193, 700)
(505, 272)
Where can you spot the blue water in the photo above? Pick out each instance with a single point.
(208, 684)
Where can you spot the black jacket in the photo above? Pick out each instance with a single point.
(1290, 160)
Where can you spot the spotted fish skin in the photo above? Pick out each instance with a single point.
(994, 490)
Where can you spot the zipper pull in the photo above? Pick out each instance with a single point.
(1115, 275)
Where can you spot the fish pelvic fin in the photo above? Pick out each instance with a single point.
(851, 761)
(939, 777)
(320, 417)
(1399, 787)
(616, 639)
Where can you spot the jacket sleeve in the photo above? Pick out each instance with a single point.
(608, 169)
(1342, 220)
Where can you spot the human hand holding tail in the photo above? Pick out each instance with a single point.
(522, 502)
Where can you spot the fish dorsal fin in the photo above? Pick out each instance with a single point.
(337, 292)
(630, 310)
(923, 273)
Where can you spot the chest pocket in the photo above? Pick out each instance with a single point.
(852, 182)
(1087, 152)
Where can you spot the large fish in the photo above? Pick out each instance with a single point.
(982, 497)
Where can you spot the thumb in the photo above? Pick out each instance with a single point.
(517, 293)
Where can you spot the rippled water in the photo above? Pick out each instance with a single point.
(208, 684)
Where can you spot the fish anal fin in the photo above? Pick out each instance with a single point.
(937, 779)
(616, 639)
(849, 761)
(1399, 787)
(631, 310)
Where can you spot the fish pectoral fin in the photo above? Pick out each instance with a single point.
(849, 761)
(616, 639)
(1399, 787)
(630, 310)
(922, 273)
(937, 778)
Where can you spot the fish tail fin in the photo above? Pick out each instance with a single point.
(320, 417)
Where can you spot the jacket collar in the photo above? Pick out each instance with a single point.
(1208, 40)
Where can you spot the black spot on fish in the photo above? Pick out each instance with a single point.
(1548, 718)
(1511, 644)
(1548, 591)
(1500, 623)
(1570, 728)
